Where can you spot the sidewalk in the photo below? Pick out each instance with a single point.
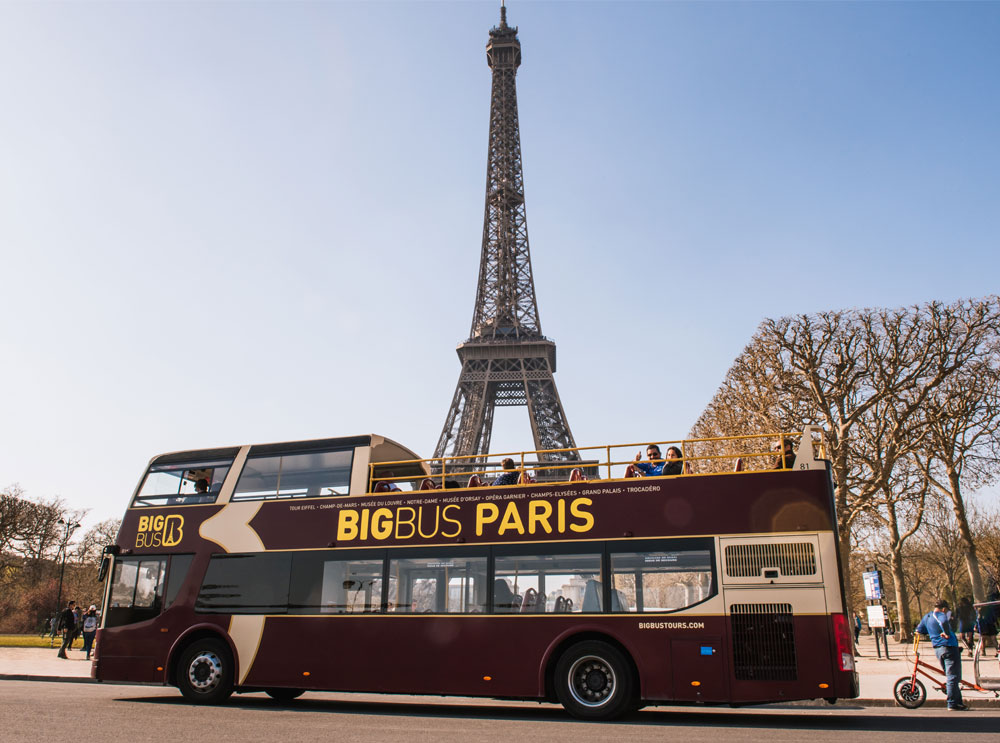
(877, 676)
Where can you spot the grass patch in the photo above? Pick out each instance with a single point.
(34, 641)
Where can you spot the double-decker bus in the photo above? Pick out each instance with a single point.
(349, 564)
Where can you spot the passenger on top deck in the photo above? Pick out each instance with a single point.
(651, 468)
(509, 475)
(785, 459)
(673, 465)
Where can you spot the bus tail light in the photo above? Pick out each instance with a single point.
(842, 634)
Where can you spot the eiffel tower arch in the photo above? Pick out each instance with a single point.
(506, 361)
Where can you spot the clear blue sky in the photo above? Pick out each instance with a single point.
(224, 223)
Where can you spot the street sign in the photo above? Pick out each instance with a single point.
(876, 616)
(873, 585)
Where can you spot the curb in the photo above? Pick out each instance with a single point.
(60, 679)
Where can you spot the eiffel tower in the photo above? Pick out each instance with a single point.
(506, 359)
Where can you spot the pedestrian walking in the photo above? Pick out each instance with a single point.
(937, 624)
(857, 628)
(965, 614)
(89, 629)
(67, 623)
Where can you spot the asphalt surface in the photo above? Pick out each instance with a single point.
(32, 711)
(877, 675)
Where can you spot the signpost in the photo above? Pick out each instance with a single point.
(877, 619)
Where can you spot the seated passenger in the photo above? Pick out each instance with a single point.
(673, 465)
(576, 475)
(509, 475)
(785, 459)
(201, 494)
(651, 468)
(387, 480)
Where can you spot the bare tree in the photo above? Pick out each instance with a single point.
(962, 426)
(88, 549)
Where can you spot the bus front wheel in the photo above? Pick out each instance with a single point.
(205, 673)
(594, 681)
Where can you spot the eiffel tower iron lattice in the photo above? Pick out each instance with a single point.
(506, 359)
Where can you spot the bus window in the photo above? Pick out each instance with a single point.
(246, 584)
(660, 580)
(548, 583)
(179, 566)
(136, 590)
(326, 584)
(447, 584)
(182, 484)
(322, 473)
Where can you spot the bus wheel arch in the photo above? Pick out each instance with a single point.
(194, 635)
(609, 654)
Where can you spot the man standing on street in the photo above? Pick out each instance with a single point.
(67, 623)
(937, 624)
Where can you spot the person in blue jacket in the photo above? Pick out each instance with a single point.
(937, 624)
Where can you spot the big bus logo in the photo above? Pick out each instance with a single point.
(160, 531)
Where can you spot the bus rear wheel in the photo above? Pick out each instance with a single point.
(594, 681)
(205, 672)
(284, 695)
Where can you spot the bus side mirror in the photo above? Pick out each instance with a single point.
(102, 572)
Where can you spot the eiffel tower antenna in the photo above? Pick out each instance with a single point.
(506, 360)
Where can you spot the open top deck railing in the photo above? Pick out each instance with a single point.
(744, 454)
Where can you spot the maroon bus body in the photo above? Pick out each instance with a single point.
(497, 655)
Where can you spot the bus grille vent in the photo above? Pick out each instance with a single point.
(750, 560)
(763, 642)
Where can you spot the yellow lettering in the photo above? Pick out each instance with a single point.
(420, 519)
(575, 508)
(538, 513)
(158, 522)
(365, 515)
(511, 520)
(456, 522)
(409, 522)
(347, 525)
(482, 509)
(143, 523)
(561, 517)
(380, 531)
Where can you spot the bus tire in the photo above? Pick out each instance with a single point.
(909, 693)
(283, 695)
(594, 681)
(205, 672)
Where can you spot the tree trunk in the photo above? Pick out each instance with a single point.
(839, 474)
(899, 580)
(968, 545)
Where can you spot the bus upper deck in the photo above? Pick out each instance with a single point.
(369, 490)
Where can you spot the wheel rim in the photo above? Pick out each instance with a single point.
(205, 671)
(592, 681)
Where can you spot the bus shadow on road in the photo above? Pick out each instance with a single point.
(847, 718)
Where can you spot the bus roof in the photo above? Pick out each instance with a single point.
(383, 449)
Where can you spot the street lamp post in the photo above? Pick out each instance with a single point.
(70, 526)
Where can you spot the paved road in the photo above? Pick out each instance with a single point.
(33, 711)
